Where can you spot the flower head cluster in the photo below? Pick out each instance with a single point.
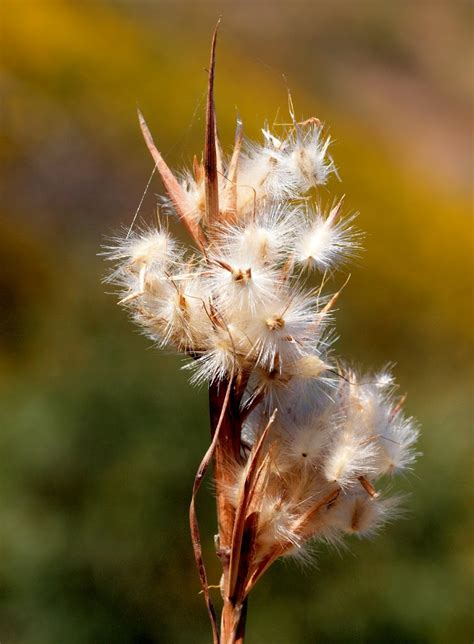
(313, 437)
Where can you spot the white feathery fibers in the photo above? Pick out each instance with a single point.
(326, 242)
(151, 250)
(284, 168)
(238, 307)
(238, 283)
(307, 444)
(360, 514)
(186, 320)
(307, 161)
(397, 445)
(263, 175)
(350, 457)
(150, 247)
(265, 239)
(194, 197)
(225, 349)
(284, 328)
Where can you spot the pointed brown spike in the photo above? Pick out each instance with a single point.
(219, 156)
(210, 155)
(254, 469)
(368, 487)
(232, 172)
(197, 169)
(398, 406)
(335, 210)
(335, 297)
(239, 133)
(171, 184)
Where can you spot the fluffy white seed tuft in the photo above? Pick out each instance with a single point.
(326, 242)
(238, 307)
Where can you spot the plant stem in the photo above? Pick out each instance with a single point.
(233, 623)
(227, 451)
(240, 634)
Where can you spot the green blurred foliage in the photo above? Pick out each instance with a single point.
(101, 434)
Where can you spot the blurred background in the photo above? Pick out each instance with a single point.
(100, 433)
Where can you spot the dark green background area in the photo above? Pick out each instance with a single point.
(100, 433)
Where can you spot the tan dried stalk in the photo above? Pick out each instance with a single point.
(248, 478)
(237, 530)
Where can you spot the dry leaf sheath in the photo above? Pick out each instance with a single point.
(299, 442)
